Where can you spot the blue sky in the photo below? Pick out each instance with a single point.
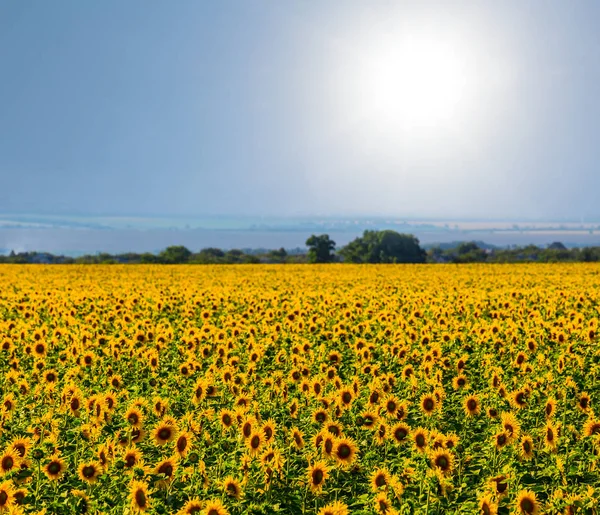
(276, 108)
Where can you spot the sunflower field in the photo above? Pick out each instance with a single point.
(295, 389)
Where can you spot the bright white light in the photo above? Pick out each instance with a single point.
(412, 83)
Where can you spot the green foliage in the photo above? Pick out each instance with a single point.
(384, 247)
(320, 249)
(175, 255)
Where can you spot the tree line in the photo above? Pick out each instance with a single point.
(373, 246)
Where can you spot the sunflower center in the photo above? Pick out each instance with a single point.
(527, 505)
(442, 462)
(317, 476)
(54, 467)
(344, 451)
(166, 469)
(140, 498)
(164, 433)
(7, 463)
(88, 471)
(380, 480)
(255, 442)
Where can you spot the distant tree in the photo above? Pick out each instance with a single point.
(320, 249)
(557, 245)
(234, 256)
(469, 252)
(175, 255)
(277, 256)
(384, 247)
(148, 258)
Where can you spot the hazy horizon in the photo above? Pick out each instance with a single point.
(415, 110)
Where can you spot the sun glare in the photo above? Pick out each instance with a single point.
(415, 83)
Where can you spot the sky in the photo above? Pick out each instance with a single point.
(187, 108)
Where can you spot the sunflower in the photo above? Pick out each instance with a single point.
(442, 461)
(369, 419)
(138, 496)
(132, 458)
(215, 507)
(317, 473)
(584, 402)
(110, 402)
(167, 467)
(345, 397)
(550, 436)
(334, 508)
(344, 451)
(164, 433)
(183, 443)
(382, 503)
(226, 418)
(7, 496)
(320, 416)
(472, 406)
(419, 437)
(199, 391)
(50, 376)
(9, 461)
(460, 382)
(400, 432)
(21, 446)
(297, 438)
(527, 503)
(428, 404)
(191, 507)
(89, 471)
(510, 425)
(160, 406)
(134, 416)
(335, 428)
(9, 403)
(500, 440)
(487, 506)
(327, 443)
(591, 427)
(499, 485)
(255, 442)
(519, 399)
(550, 408)
(232, 487)
(526, 447)
(268, 429)
(55, 467)
(247, 428)
(451, 441)
(380, 478)
(19, 496)
(391, 404)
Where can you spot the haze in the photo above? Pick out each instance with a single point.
(415, 109)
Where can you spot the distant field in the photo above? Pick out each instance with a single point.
(300, 389)
(81, 235)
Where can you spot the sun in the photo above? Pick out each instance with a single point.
(415, 82)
